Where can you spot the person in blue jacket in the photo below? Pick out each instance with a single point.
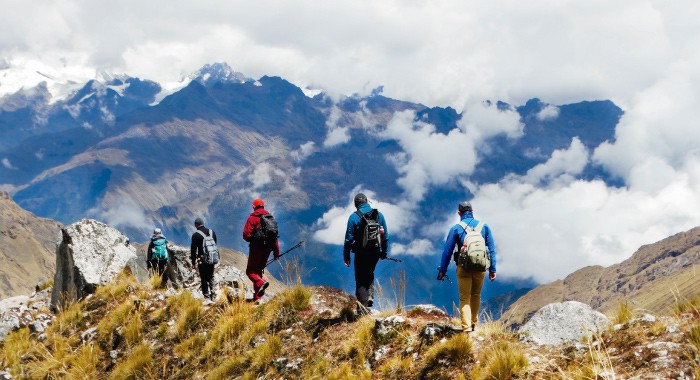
(469, 282)
(368, 249)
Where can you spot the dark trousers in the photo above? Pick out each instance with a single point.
(364, 276)
(162, 267)
(206, 274)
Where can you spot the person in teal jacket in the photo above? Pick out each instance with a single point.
(469, 282)
(366, 257)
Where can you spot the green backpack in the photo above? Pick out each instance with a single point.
(473, 256)
(160, 251)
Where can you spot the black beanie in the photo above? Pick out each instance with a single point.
(465, 206)
(360, 199)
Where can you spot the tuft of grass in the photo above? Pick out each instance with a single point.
(694, 335)
(623, 314)
(360, 345)
(691, 306)
(345, 372)
(263, 354)
(317, 368)
(232, 322)
(455, 352)
(189, 313)
(69, 318)
(133, 330)
(190, 348)
(45, 285)
(396, 368)
(503, 360)
(399, 289)
(229, 368)
(115, 319)
(136, 365)
(156, 280)
(296, 298)
(16, 343)
(84, 364)
(123, 284)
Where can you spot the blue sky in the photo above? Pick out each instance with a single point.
(642, 55)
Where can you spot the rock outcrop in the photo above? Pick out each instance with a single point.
(21, 311)
(91, 253)
(565, 322)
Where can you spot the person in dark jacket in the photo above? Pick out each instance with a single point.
(366, 258)
(469, 282)
(206, 271)
(158, 256)
(258, 251)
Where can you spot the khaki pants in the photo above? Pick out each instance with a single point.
(469, 285)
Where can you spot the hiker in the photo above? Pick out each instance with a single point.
(258, 232)
(158, 256)
(368, 237)
(204, 254)
(469, 281)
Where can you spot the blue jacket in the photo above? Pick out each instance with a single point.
(456, 237)
(353, 225)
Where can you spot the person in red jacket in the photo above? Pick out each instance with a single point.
(258, 251)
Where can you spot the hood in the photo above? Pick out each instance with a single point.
(365, 208)
(259, 211)
(157, 236)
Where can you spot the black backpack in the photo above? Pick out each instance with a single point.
(268, 232)
(368, 234)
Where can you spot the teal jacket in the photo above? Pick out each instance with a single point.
(351, 230)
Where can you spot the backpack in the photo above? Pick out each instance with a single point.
(159, 250)
(210, 254)
(268, 232)
(473, 256)
(368, 233)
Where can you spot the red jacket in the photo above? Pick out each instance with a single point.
(258, 253)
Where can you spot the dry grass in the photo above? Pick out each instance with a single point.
(136, 365)
(455, 352)
(623, 314)
(503, 360)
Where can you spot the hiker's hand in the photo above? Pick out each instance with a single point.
(440, 276)
(347, 263)
(194, 266)
(492, 276)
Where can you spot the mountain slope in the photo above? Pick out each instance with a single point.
(27, 248)
(653, 279)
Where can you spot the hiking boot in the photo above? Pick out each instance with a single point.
(473, 326)
(212, 296)
(370, 302)
(264, 286)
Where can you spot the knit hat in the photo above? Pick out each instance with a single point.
(465, 206)
(157, 231)
(360, 199)
(258, 203)
(198, 222)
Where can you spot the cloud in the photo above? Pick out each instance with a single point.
(549, 112)
(331, 227)
(305, 150)
(7, 164)
(419, 165)
(563, 165)
(417, 247)
(125, 212)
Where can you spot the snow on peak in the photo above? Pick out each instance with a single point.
(17, 75)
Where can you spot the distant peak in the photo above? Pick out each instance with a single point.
(219, 72)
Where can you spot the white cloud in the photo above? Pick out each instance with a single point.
(549, 112)
(417, 247)
(124, 211)
(432, 158)
(330, 228)
(7, 164)
(563, 165)
(304, 151)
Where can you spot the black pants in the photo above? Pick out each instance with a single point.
(206, 274)
(364, 276)
(162, 267)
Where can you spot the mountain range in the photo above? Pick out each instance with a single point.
(129, 152)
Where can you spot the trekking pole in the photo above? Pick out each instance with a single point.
(445, 277)
(299, 244)
(392, 259)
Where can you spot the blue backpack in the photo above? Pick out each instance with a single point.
(160, 251)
